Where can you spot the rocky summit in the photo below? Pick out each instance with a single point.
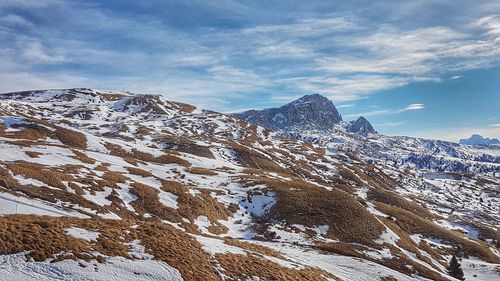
(360, 126)
(311, 112)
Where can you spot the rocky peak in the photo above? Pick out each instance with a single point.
(361, 126)
(308, 112)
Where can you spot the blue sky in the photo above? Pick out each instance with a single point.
(427, 68)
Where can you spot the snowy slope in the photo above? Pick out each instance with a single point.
(193, 194)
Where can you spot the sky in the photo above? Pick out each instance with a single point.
(426, 68)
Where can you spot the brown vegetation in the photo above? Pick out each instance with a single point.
(33, 154)
(413, 223)
(240, 267)
(71, 138)
(394, 199)
(139, 172)
(300, 202)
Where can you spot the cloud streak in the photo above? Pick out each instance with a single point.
(379, 112)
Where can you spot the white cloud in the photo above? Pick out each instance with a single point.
(491, 23)
(16, 21)
(28, 3)
(413, 106)
(286, 49)
(456, 77)
(35, 53)
(401, 57)
(347, 105)
(390, 124)
(349, 88)
(305, 28)
(410, 107)
(495, 125)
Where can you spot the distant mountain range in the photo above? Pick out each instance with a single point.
(479, 140)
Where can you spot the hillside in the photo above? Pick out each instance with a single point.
(99, 185)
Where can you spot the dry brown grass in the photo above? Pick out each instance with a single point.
(114, 177)
(33, 154)
(83, 157)
(252, 159)
(174, 187)
(71, 138)
(300, 202)
(39, 172)
(139, 172)
(103, 167)
(342, 248)
(6, 179)
(45, 237)
(136, 155)
(178, 250)
(263, 250)
(400, 262)
(412, 223)
(172, 159)
(182, 144)
(201, 171)
(394, 199)
(149, 202)
(192, 206)
(240, 267)
(349, 175)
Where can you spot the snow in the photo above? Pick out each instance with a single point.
(15, 267)
(10, 204)
(259, 204)
(137, 251)
(203, 223)
(11, 122)
(100, 197)
(472, 232)
(441, 191)
(347, 268)
(81, 233)
(126, 196)
(483, 271)
(168, 199)
(217, 246)
(388, 236)
(379, 254)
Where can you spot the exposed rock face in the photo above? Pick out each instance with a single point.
(479, 140)
(360, 126)
(311, 112)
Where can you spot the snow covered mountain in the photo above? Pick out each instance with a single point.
(479, 140)
(98, 185)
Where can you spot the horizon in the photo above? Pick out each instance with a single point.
(434, 76)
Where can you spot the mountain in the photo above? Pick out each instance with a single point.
(314, 112)
(479, 140)
(98, 184)
(361, 126)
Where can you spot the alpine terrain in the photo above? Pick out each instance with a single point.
(99, 185)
